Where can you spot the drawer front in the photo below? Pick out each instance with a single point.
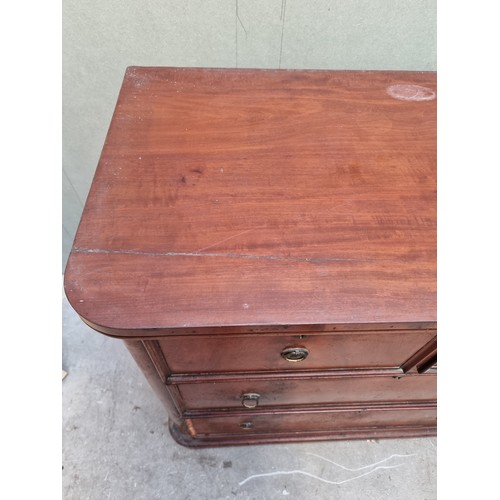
(279, 352)
(312, 421)
(254, 394)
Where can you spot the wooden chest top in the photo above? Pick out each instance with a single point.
(261, 198)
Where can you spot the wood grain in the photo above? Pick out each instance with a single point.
(149, 370)
(252, 197)
(261, 352)
(182, 436)
(310, 392)
(310, 422)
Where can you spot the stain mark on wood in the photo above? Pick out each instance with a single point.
(406, 92)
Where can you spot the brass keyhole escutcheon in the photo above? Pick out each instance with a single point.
(250, 400)
(294, 354)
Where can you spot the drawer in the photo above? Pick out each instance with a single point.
(254, 394)
(260, 352)
(308, 422)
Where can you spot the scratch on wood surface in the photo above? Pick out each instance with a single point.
(313, 260)
(229, 238)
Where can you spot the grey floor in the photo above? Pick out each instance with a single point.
(116, 445)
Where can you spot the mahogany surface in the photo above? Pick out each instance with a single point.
(309, 391)
(250, 197)
(268, 423)
(231, 353)
(235, 214)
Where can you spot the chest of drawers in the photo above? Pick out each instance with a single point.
(264, 242)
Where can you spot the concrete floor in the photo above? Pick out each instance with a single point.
(116, 445)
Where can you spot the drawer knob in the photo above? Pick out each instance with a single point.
(294, 354)
(246, 425)
(250, 400)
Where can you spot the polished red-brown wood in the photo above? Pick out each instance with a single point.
(235, 214)
(313, 421)
(182, 435)
(144, 360)
(250, 197)
(262, 352)
(311, 391)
